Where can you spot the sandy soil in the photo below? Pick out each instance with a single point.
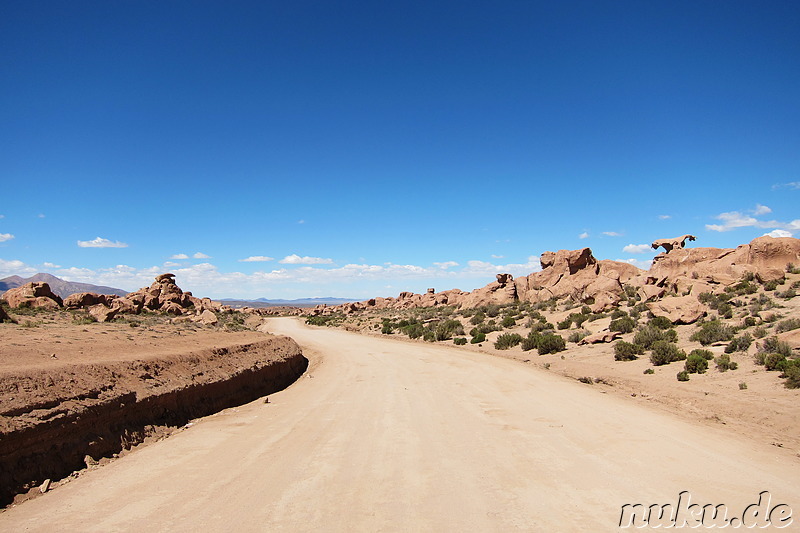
(384, 435)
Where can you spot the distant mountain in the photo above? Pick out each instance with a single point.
(58, 285)
(300, 302)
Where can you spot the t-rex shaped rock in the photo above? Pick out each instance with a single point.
(669, 244)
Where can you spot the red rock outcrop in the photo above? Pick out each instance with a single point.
(680, 309)
(36, 294)
(671, 244)
(86, 299)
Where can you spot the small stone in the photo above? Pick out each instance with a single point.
(44, 487)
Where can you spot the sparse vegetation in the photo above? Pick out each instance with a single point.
(787, 325)
(623, 325)
(739, 344)
(711, 332)
(696, 364)
(507, 340)
(550, 343)
(683, 375)
(627, 351)
(649, 335)
(724, 363)
(665, 352)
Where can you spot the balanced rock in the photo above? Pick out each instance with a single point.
(679, 310)
(102, 313)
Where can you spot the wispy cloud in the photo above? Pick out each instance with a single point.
(5, 237)
(40, 215)
(201, 255)
(735, 219)
(295, 259)
(446, 264)
(179, 256)
(497, 256)
(637, 249)
(584, 235)
(50, 265)
(256, 259)
(14, 267)
(664, 217)
(644, 264)
(612, 234)
(100, 242)
(790, 185)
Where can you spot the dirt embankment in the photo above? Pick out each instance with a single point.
(52, 419)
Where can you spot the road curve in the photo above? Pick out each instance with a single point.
(386, 435)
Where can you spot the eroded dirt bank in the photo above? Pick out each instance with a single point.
(52, 419)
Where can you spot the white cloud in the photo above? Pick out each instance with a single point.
(50, 265)
(201, 255)
(100, 242)
(2, 216)
(301, 221)
(5, 237)
(295, 259)
(256, 259)
(171, 264)
(779, 233)
(497, 256)
(761, 210)
(790, 185)
(179, 256)
(15, 267)
(637, 249)
(612, 234)
(734, 219)
(584, 235)
(40, 215)
(446, 264)
(644, 264)
(665, 217)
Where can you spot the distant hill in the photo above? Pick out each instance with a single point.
(58, 285)
(300, 302)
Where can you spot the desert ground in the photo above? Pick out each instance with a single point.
(383, 434)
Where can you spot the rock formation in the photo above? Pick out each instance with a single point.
(671, 244)
(4, 316)
(36, 294)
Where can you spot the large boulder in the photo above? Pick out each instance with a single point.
(102, 313)
(36, 294)
(600, 337)
(80, 300)
(502, 291)
(680, 309)
(671, 244)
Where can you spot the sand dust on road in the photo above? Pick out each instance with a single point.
(381, 435)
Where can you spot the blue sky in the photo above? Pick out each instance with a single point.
(358, 149)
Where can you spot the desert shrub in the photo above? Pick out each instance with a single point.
(705, 354)
(742, 288)
(579, 318)
(714, 301)
(491, 310)
(627, 351)
(649, 371)
(788, 294)
(739, 344)
(775, 361)
(531, 342)
(696, 364)
(623, 324)
(618, 313)
(648, 335)
(478, 338)
(771, 285)
(387, 327)
(792, 375)
(724, 363)
(711, 332)
(564, 324)
(773, 345)
(550, 343)
(749, 322)
(665, 352)
(488, 327)
(742, 385)
(507, 340)
(460, 341)
(327, 320)
(542, 326)
(587, 380)
(760, 332)
(787, 325)
(477, 318)
(660, 322)
(508, 322)
(429, 335)
(446, 329)
(414, 330)
(683, 375)
(576, 336)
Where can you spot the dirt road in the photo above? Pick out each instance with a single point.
(385, 435)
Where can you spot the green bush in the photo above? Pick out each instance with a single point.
(705, 354)
(531, 342)
(711, 332)
(508, 322)
(623, 325)
(413, 330)
(724, 363)
(478, 338)
(649, 371)
(775, 361)
(626, 351)
(460, 341)
(576, 336)
(477, 318)
(696, 364)
(787, 325)
(739, 344)
(683, 375)
(792, 374)
(542, 326)
(618, 313)
(550, 343)
(660, 322)
(665, 352)
(564, 324)
(648, 335)
(446, 329)
(507, 340)
(773, 345)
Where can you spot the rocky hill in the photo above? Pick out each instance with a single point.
(59, 286)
